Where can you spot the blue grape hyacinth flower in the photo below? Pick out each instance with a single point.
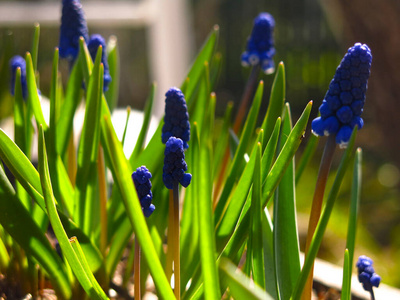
(344, 101)
(141, 179)
(174, 164)
(15, 63)
(95, 41)
(73, 26)
(260, 45)
(366, 273)
(176, 119)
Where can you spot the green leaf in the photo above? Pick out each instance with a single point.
(285, 156)
(30, 237)
(146, 122)
(19, 113)
(323, 221)
(35, 45)
(286, 241)
(276, 102)
(222, 140)
(235, 171)
(353, 214)
(76, 266)
(72, 98)
(271, 284)
(196, 70)
(346, 286)
(256, 236)
(54, 102)
(33, 96)
(239, 285)
(85, 266)
(270, 181)
(20, 125)
(114, 66)
(26, 174)
(204, 204)
(228, 222)
(86, 179)
(308, 153)
(123, 171)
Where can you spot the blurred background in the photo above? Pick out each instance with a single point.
(157, 40)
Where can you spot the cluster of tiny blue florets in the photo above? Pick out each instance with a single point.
(73, 26)
(366, 273)
(141, 178)
(260, 45)
(15, 63)
(95, 41)
(176, 119)
(174, 164)
(343, 104)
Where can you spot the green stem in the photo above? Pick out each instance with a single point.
(177, 262)
(315, 214)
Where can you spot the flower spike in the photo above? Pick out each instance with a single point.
(176, 119)
(141, 178)
(15, 63)
(95, 41)
(73, 26)
(174, 164)
(367, 275)
(343, 104)
(260, 45)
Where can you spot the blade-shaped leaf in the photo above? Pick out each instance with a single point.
(308, 153)
(79, 270)
(26, 174)
(86, 180)
(323, 221)
(256, 236)
(30, 237)
(204, 198)
(33, 95)
(234, 171)
(353, 216)
(123, 173)
(276, 102)
(286, 241)
(240, 285)
(146, 123)
(204, 55)
(346, 286)
(114, 66)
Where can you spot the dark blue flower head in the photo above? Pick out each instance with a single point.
(260, 45)
(344, 101)
(95, 41)
(141, 179)
(73, 26)
(15, 63)
(366, 273)
(176, 119)
(174, 164)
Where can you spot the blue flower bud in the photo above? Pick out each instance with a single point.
(174, 164)
(260, 45)
(345, 97)
(95, 41)
(73, 26)
(15, 63)
(176, 119)
(141, 179)
(366, 273)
